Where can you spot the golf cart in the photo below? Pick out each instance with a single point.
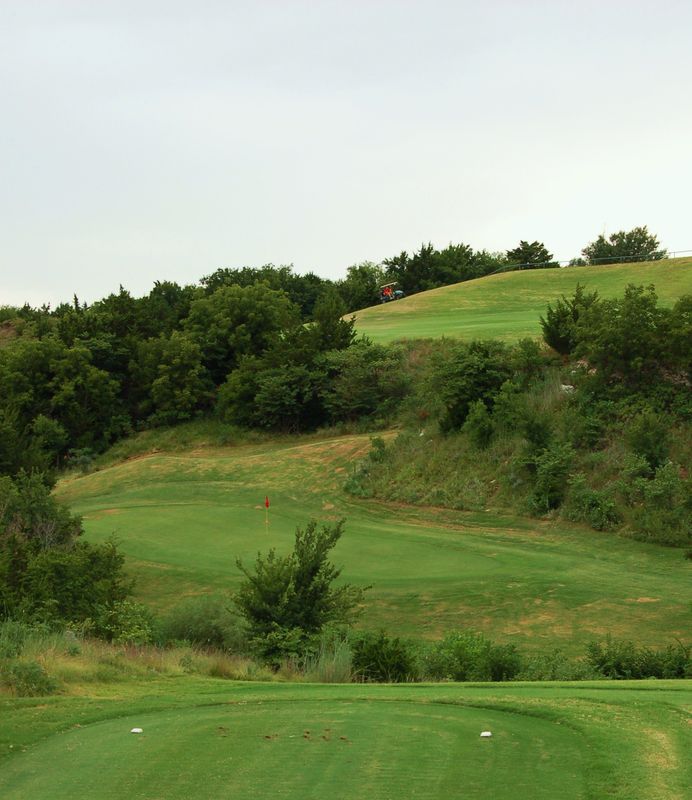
(388, 292)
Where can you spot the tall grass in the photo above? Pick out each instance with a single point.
(333, 663)
(72, 661)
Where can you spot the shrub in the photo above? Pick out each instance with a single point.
(466, 656)
(363, 381)
(552, 470)
(509, 409)
(378, 658)
(537, 430)
(661, 506)
(556, 666)
(623, 659)
(649, 437)
(377, 450)
(205, 621)
(125, 622)
(29, 679)
(479, 426)
(597, 508)
(560, 323)
(470, 372)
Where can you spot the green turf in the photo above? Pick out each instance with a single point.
(509, 305)
(182, 519)
(206, 740)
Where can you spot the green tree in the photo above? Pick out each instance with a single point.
(329, 330)
(363, 380)
(237, 321)
(287, 600)
(530, 255)
(302, 290)
(359, 289)
(429, 268)
(168, 379)
(46, 572)
(635, 245)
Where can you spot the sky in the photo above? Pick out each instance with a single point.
(144, 141)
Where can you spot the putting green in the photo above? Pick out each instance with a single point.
(183, 519)
(509, 305)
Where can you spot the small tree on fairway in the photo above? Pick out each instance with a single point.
(287, 600)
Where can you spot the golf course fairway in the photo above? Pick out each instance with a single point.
(509, 305)
(182, 519)
(206, 740)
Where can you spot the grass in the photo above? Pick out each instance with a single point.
(205, 739)
(183, 518)
(509, 305)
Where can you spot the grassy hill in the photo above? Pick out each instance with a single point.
(183, 517)
(509, 305)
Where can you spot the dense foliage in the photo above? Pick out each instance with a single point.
(600, 435)
(287, 601)
(46, 572)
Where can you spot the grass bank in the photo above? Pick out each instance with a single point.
(509, 305)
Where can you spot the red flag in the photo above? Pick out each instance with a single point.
(266, 502)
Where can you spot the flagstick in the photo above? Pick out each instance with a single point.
(266, 520)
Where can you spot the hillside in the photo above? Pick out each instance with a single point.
(508, 305)
(183, 517)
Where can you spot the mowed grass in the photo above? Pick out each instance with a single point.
(509, 305)
(183, 518)
(202, 739)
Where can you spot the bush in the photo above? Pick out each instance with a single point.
(365, 380)
(560, 323)
(552, 470)
(380, 659)
(469, 372)
(125, 622)
(206, 622)
(661, 506)
(623, 660)
(649, 437)
(479, 426)
(28, 679)
(556, 666)
(465, 656)
(377, 450)
(596, 508)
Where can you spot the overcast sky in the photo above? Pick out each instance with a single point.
(161, 140)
